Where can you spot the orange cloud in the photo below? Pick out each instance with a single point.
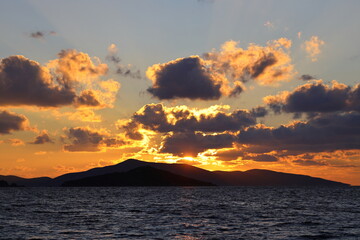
(76, 67)
(222, 73)
(267, 65)
(16, 142)
(85, 115)
(313, 47)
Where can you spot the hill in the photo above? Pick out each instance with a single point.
(28, 182)
(255, 177)
(141, 176)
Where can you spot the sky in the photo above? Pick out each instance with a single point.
(221, 85)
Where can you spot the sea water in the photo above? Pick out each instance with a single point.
(180, 213)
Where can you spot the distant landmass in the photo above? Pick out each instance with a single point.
(134, 172)
(141, 176)
(6, 184)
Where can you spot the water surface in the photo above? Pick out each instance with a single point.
(180, 213)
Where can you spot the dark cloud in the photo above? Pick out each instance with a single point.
(25, 82)
(42, 138)
(113, 142)
(10, 122)
(236, 91)
(190, 144)
(307, 77)
(317, 97)
(259, 67)
(183, 78)
(123, 70)
(89, 140)
(41, 34)
(323, 133)
(309, 163)
(126, 72)
(113, 58)
(37, 34)
(83, 139)
(259, 111)
(159, 118)
(328, 132)
(263, 158)
(234, 154)
(132, 130)
(87, 98)
(227, 154)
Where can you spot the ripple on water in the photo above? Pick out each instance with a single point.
(180, 213)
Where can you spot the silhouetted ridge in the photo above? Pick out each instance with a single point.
(27, 182)
(255, 177)
(261, 177)
(3, 183)
(141, 176)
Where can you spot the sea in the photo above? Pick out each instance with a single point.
(179, 213)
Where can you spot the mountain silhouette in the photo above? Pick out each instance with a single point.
(28, 182)
(141, 176)
(3, 183)
(255, 177)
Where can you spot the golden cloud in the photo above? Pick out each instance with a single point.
(313, 47)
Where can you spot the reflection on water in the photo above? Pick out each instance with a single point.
(180, 213)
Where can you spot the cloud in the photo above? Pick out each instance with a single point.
(24, 82)
(15, 142)
(85, 115)
(267, 65)
(269, 25)
(326, 132)
(84, 139)
(259, 111)
(264, 158)
(87, 98)
(184, 78)
(124, 70)
(234, 153)
(189, 131)
(10, 122)
(158, 118)
(307, 77)
(82, 115)
(41, 153)
(308, 163)
(313, 47)
(190, 144)
(332, 124)
(316, 97)
(226, 154)
(221, 73)
(73, 67)
(42, 138)
(41, 34)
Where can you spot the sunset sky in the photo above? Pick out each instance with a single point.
(221, 85)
